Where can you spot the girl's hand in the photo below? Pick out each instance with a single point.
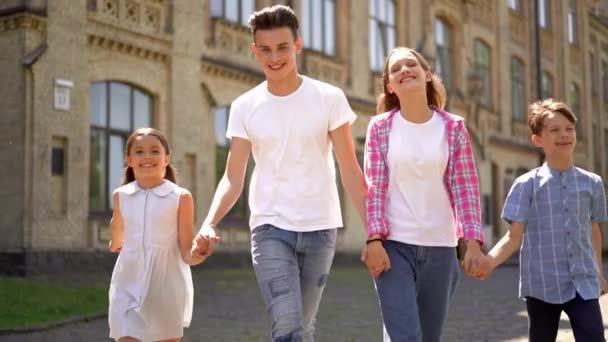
(205, 241)
(375, 258)
(113, 248)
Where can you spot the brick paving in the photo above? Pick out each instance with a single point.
(229, 308)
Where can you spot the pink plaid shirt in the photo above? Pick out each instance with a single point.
(460, 176)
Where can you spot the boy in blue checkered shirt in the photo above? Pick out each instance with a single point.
(554, 212)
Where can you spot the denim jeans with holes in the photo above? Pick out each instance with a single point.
(292, 269)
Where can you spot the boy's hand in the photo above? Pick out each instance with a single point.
(485, 268)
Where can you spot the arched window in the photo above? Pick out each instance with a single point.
(443, 52)
(482, 64)
(115, 110)
(518, 104)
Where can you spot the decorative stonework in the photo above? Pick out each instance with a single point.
(216, 69)
(127, 48)
(517, 28)
(325, 69)
(483, 12)
(139, 15)
(232, 38)
(520, 131)
(23, 22)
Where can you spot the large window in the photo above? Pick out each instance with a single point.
(574, 96)
(546, 84)
(240, 210)
(572, 22)
(483, 67)
(443, 48)
(544, 14)
(381, 31)
(319, 25)
(236, 11)
(518, 104)
(116, 109)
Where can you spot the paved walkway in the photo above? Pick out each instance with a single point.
(228, 308)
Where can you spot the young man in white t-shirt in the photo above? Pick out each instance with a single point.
(290, 122)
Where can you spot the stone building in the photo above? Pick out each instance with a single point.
(78, 76)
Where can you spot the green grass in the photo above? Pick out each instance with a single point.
(25, 303)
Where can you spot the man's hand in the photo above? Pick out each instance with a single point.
(205, 241)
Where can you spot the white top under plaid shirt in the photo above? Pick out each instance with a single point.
(557, 258)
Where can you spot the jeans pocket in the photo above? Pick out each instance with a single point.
(328, 237)
(259, 232)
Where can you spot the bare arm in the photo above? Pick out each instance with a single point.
(507, 245)
(350, 171)
(185, 219)
(117, 227)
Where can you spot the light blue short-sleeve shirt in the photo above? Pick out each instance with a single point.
(557, 258)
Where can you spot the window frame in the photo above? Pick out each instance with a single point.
(484, 68)
(379, 48)
(107, 131)
(544, 14)
(217, 8)
(518, 81)
(313, 25)
(443, 53)
(572, 23)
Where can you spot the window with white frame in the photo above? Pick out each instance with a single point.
(443, 48)
(381, 31)
(572, 22)
(116, 109)
(236, 11)
(544, 14)
(518, 105)
(482, 65)
(319, 25)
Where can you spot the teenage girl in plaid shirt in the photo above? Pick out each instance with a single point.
(423, 194)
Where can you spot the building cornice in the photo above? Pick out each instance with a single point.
(22, 21)
(21, 9)
(226, 69)
(127, 48)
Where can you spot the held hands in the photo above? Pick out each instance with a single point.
(204, 244)
(375, 258)
(475, 263)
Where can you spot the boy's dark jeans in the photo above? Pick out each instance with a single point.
(585, 319)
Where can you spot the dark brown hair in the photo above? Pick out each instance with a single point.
(129, 176)
(435, 91)
(274, 17)
(538, 111)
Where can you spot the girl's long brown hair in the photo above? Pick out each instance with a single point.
(435, 91)
(129, 176)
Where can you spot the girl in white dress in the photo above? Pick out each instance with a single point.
(152, 228)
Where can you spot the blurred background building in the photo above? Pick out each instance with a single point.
(77, 76)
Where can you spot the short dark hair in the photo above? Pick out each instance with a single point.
(538, 111)
(273, 17)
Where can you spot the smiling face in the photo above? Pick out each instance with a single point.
(405, 74)
(276, 51)
(557, 137)
(148, 158)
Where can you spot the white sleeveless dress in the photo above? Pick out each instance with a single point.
(151, 290)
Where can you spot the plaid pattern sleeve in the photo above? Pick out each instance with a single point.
(376, 177)
(465, 185)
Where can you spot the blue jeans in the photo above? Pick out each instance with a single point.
(291, 269)
(416, 292)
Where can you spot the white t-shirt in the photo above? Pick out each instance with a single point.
(293, 185)
(418, 204)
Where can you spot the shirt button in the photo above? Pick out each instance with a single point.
(568, 233)
(566, 209)
(570, 255)
(563, 187)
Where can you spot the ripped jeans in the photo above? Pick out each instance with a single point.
(292, 269)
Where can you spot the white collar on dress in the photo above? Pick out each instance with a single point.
(162, 190)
